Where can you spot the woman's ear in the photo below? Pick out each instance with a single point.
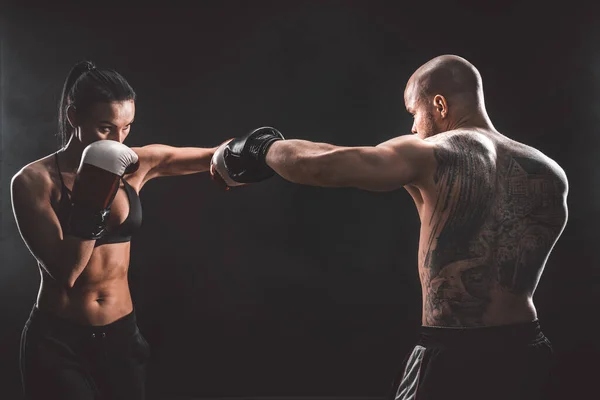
(72, 116)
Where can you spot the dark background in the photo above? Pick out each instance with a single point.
(279, 289)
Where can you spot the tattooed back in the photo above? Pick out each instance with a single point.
(490, 216)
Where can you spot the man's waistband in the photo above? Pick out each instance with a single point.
(510, 335)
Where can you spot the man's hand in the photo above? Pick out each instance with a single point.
(242, 160)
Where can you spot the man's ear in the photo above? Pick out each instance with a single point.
(441, 105)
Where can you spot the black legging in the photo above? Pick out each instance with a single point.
(63, 360)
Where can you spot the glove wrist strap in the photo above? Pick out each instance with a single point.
(86, 223)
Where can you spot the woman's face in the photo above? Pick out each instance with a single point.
(105, 121)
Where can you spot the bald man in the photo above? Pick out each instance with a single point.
(491, 210)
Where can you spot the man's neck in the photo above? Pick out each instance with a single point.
(472, 121)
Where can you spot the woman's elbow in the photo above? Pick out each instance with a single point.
(63, 271)
(58, 278)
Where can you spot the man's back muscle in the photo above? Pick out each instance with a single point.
(496, 208)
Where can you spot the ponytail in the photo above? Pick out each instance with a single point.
(86, 85)
(64, 128)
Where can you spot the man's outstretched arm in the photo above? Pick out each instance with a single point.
(387, 166)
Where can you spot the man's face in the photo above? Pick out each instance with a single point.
(425, 122)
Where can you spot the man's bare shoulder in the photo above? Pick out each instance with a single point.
(461, 137)
(496, 145)
(530, 155)
(469, 146)
(549, 162)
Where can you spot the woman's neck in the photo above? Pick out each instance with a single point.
(70, 155)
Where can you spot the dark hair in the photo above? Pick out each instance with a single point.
(86, 85)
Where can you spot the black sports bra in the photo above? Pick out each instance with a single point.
(119, 234)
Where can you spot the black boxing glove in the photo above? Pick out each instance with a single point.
(242, 160)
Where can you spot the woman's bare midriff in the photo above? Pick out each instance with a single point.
(101, 293)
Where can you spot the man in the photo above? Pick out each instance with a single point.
(491, 210)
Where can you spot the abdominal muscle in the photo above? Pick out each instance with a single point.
(100, 295)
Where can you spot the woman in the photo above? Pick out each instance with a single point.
(76, 211)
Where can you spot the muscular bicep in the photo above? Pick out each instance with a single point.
(390, 165)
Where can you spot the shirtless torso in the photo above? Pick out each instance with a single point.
(490, 216)
(101, 293)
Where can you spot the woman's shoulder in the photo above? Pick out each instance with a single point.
(37, 175)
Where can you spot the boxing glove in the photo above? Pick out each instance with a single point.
(242, 160)
(103, 163)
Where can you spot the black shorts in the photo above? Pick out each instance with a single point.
(63, 360)
(501, 362)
